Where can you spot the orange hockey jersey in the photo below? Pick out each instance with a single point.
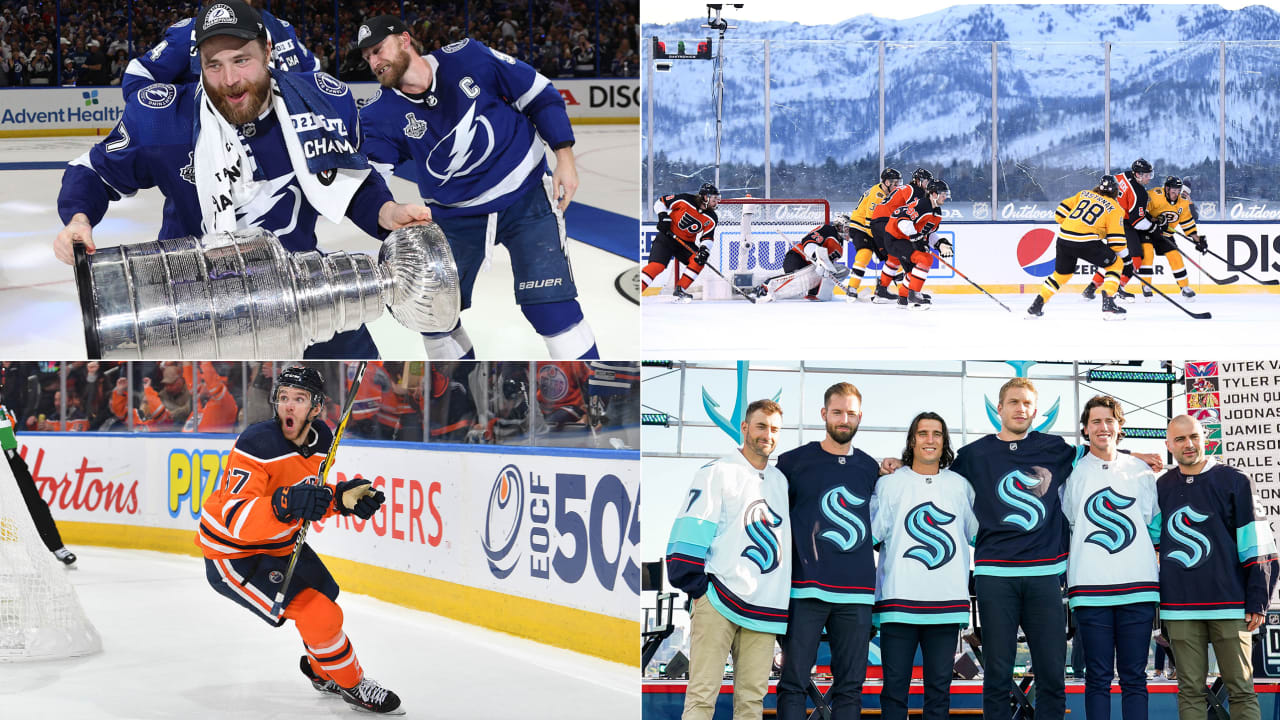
(237, 520)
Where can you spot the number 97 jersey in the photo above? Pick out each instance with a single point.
(1087, 216)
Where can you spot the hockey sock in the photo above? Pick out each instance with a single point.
(452, 345)
(1175, 264)
(858, 270)
(649, 274)
(1053, 284)
(688, 273)
(319, 622)
(889, 271)
(1113, 280)
(1097, 279)
(563, 328)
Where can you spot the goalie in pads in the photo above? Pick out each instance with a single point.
(815, 257)
(249, 524)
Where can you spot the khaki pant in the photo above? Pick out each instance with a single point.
(713, 638)
(1233, 645)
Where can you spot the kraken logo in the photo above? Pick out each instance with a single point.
(1013, 492)
(1180, 530)
(760, 520)
(924, 525)
(1115, 530)
(837, 507)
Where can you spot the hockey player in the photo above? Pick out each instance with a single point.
(476, 123)
(862, 242)
(36, 505)
(901, 202)
(225, 159)
(686, 229)
(1167, 208)
(833, 568)
(249, 524)
(1112, 582)
(806, 263)
(1131, 195)
(1217, 570)
(923, 515)
(1091, 228)
(907, 240)
(174, 59)
(730, 551)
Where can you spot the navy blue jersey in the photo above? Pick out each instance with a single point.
(1018, 502)
(829, 496)
(1217, 554)
(175, 60)
(153, 146)
(475, 138)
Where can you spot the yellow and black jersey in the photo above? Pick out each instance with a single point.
(861, 217)
(1160, 210)
(1089, 216)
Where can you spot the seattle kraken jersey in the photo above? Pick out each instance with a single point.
(1217, 555)
(175, 60)
(926, 523)
(831, 519)
(476, 136)
(1115, 523)
(732, 541)
(153, 145)
(1017, 498)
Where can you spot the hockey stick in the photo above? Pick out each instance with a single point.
(713, 269)
(278, 604)
(966, 277)
(1196, 315)
(1242, 270)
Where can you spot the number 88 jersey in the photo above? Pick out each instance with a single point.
(1087, 216)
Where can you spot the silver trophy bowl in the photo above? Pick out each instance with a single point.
(241, 295)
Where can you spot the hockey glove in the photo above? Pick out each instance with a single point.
(301, 502)
(841, 272)
(1128, 270)
(703, 255)
(1200, 244)
(944, 248)
(664, 225)
(357, 497)
(920, 243)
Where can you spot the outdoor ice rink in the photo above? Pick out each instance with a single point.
(173, 648)
(42, 315)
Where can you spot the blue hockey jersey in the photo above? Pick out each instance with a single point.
(476, 137)
(831, 523)
(1217, 554)
(1017, 499)
(174, 59)
(153, 146)
(732, 542)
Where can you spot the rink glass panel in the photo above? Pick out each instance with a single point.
(494, 403)
(1253, 102)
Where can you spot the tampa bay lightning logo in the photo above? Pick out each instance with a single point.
(760, 520)
(1013, 491)
(837, 507)
(924, 525)
(1115, 530)
(1180, 530)
(464, 149)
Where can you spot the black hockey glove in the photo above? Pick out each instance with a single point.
(664, 225)
(702, 255)
(357, 497)
(301, 502)
(1200, 244)
(920, 242)
(944, 248)
(1128, 270)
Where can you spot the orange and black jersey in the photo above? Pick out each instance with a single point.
(900, 204)
(874, 197)
(679, 215)
(826, 237)
(924, 217)
(237, 520)
(1133, 200)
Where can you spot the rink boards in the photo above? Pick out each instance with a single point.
(537, 542)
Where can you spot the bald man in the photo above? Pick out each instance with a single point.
(1217, 571)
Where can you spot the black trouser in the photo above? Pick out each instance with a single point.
(898, 642)
(36, 505)
(666, 246)
(848, 632)
(1035, 604)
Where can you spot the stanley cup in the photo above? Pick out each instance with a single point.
(241, 295)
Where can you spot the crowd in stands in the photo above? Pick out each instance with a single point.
(94, 41)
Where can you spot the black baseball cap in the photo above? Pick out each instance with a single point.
(229, 17)
(375, 30)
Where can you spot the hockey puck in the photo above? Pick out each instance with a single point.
(628, 284)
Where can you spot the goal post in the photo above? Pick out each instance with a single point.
(40, 614)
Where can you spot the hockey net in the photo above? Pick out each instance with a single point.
(753, 237)
(40, 615)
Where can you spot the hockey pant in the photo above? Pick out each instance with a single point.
(36, 505)
(1161, 244)
(903, 254)
(666, 247)
(1070, 252)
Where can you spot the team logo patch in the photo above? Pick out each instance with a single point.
(219, 15)
(924, 525)
(188, 173)
(455, 47)
(502, 521)
(158, 95)
(249, 129)
(415, 128)
(760, 520)
(276, 577)
(464, 149)
(1180, 529)
(837, 507)
(330, 85)
(553, 384)
(1036, 252)
(1015, 491)
(363, 33)
(1115, 530)
(326, 177)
